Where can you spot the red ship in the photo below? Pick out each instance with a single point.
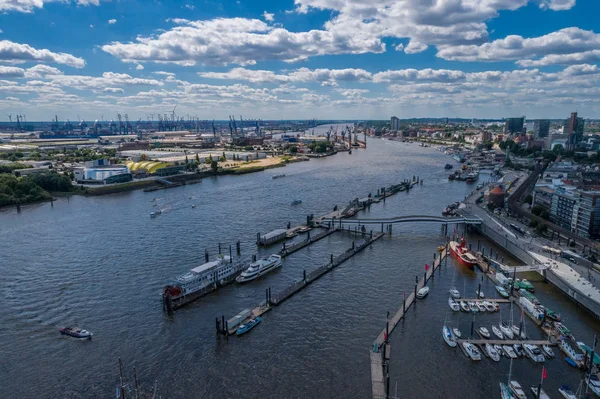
(461, 252)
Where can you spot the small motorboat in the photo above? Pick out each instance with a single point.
(499, 349)
(479, 294)
(506, 330)
(502, 291)
(497, 332)
(480, 306)
(304, 229)
(488, 306)
(464, 306)
(422, 293)
(534, 352)
(453, 305)
(509, 351)
(566, 392)
(516, 389)
(548, 352)
(155, 213)
(593, 383)
(456, 332)
(472, 351)
(454, 293)
(247, 326)
(291, 234)
(484, 332)
(515, 330)
(473, 307)
(448, 337)
(193, 206)
(519, 350)
(542, 395)
(491, 351)
(76, 332)
(278, 176)
(296, 202)
(496, 306)
(505, 391)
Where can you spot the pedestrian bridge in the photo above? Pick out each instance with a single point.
(406, 219)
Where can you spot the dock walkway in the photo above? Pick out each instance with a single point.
(379, 362)
(288, 250)
(289, 291)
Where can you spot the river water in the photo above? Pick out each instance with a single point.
(100, 263)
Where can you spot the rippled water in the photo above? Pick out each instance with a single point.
(100, 263)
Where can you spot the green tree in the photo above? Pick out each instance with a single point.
(529, 199)
(537, 210)
(294, 149)
(214, 166)
(544, 215)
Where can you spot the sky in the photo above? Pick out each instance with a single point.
(299, 59)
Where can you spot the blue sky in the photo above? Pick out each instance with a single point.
(299, 59)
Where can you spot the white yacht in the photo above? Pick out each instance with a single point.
(506, 330)
(515, 330)
(454, 293)
(593, 383)
(566, 392)
(480, 306)
(448, 337)
(456, 332)
(453, 305)
(484, 332)
(548, 352)
(422, 293)
(497, 332)
(534, 352)
(492, 352)
(510, 352)
(259, 268)
(516, 390)
(472, 351)
(464, 306)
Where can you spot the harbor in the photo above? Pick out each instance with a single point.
(182, 354)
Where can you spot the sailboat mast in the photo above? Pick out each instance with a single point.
(121, 378)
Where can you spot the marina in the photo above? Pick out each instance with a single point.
(180, 351)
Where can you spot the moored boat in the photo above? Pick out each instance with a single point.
(296, 202)
(502, 291)
(505, 391)
(480, 306)
(491, 351)
(516, 389)
(76, 332)
(472, 351)
(453, 305)
(519, 350)
(454, 293)
(488, 306)
(484, 332)
(448, 337)
(259, 268)
(542, 394)
(473, 307)
(497, 332)
(506, 330)
(422, 293)
(247, 326)
(155, 213)
(517, 332)
(464, 306)
(460, 251)
(548, 351)
(593, 383)
(278, 176)
(456, 332)
(534, 352)
(566, 392)
(509, 351)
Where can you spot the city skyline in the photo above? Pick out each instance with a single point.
(299, 59)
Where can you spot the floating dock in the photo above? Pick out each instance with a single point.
(288, 250)
(379, 353)
(276, 299)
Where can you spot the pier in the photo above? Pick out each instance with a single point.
(270, 301)
(380, 353)
(288, 250)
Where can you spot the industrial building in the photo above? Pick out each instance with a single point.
(102, 174)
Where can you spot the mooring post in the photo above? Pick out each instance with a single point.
(425, 277)
(270, 298)
(226, 330)
(404, 304)
(387, 331)
(219, 248)
(230, 255)
(353, 245)
(238, 248)
(223, 324)
(382, 227)
(472, 328)
(51, 201)
(267, 296)
(289, 225)
(206, 255)
(415, 300)
(308, 232)
(304, 275)
(218, 325)
(253, 258)
(331, 258)
(257, 238)
(479, 291)
(390, 229)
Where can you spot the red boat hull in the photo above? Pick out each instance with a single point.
(455, 249)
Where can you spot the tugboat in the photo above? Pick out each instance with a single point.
(462, 253)
(76, 332)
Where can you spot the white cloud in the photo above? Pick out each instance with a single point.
(41, 71)
(566, 46)
(190, 6)
(415, 47)
(112, 21)
(327, 77)
(241, 41)
(28, 6)
(18, 53)
(399, 47)
(139, 67)
(557, 5)
(268, 16)
(11, 72)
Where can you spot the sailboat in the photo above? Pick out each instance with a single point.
(505, 328)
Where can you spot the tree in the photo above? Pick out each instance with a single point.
(491, 206)
(545, 215)
(294, 149)
(541, 228)
(197, 159)
(537, 210)
(533, 223)
(558, 148)
(214, 166)
(529, 199)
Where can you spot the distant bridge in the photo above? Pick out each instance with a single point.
(406, 219)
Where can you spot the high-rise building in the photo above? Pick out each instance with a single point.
(574, 128)
(395, 124)
(514, 125)
(541, 128)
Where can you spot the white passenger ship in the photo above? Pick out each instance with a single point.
(259, 268)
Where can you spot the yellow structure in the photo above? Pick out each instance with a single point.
(148, 166)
